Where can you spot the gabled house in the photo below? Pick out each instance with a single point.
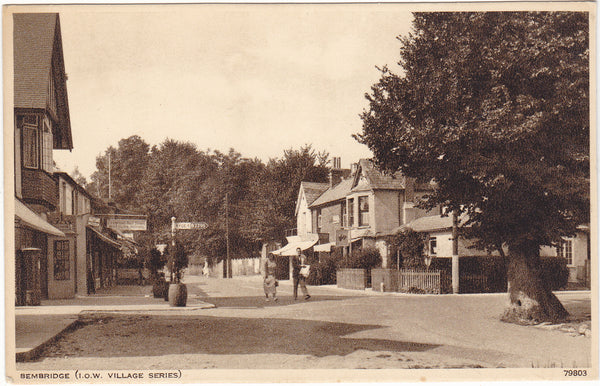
(363, 203)
(308, 193)
(41, 125)
(374, 204)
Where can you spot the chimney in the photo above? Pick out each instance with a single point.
(337, 163)
(336, 173)
(353, 168)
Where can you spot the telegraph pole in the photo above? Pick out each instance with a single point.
(228, 262)
(109, 189)
(455, 266)
(172, 252)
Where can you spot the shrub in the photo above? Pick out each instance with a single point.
(365, 258)
(554, 272)
(323, 272)
(178, 262)
(155, 262)
(494, 268)
(411, 245)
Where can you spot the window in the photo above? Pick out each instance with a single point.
(62, 267)
(319, 220)
(343, 214)
(432, 246)
(63, 197)
(351, 212)
(30, 140)
(565, 250)
(363, 210)
(47, 161)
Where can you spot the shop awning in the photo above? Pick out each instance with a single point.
(296, 242)
(32, 220)
(105, 238)
(324, 247)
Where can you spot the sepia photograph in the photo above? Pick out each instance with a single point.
(396, 192)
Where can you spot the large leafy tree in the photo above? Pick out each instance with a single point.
(127, 162)
(494, 107)
(254, 202)
(285, 176)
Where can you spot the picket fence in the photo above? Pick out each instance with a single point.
(428, 281)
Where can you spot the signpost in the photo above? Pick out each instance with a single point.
(127, 224)
(342, 238)
(191, 225)
(184, 226)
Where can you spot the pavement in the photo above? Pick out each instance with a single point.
(36, 327)
(340, 328)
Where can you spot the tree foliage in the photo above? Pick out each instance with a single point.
(410, 245)
(253, 200)
(495, 108)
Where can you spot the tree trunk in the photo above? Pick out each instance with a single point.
(531, 299)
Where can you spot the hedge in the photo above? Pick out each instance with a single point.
(488, 273)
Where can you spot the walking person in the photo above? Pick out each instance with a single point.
(300, 273)
(269, 281)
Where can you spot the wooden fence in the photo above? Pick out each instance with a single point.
(407, 280)
(417, 281)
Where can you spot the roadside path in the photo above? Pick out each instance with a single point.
(334, 329)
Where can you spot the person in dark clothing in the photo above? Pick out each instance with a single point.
(298, 262)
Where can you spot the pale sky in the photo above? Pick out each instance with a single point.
(260, 79)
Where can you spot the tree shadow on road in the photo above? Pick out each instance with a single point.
(135, 335)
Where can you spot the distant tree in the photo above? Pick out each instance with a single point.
(284, 177)
(494, 107)
(128, 161)
(78, 177)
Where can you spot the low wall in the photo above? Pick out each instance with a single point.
(385, 280)
(239, 267)
(352, 278)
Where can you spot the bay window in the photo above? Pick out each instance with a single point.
(363, 210)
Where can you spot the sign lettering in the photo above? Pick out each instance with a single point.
(127, 224)
(191, 225)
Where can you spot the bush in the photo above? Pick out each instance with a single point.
(323, 272)
(365, 258)
(554, 272)
(489, 273)
(155, 262)
(410, 244)
(178, 262)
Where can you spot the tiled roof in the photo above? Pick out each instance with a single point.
(378, 180)
(34, 38)
(338, 192)
(33, 44)
(433, 223)
(312, 190)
